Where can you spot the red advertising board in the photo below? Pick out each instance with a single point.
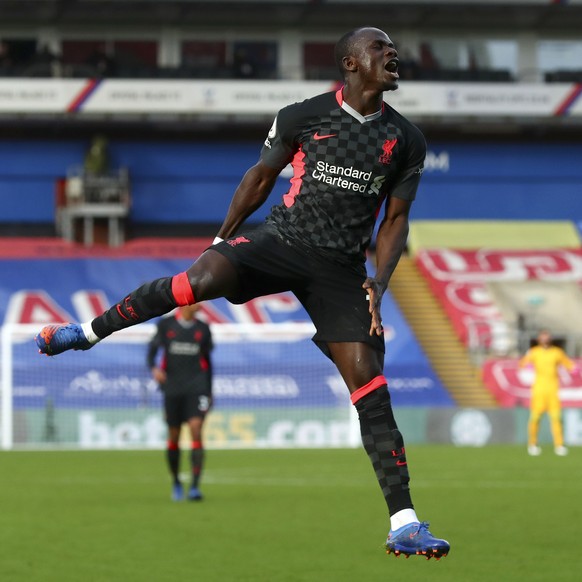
(511, 385)
(459, 278)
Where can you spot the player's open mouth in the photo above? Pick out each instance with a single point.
(392, 67)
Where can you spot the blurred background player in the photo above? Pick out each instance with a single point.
(546, 359)
(185, 378)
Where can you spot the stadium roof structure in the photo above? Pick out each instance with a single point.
(514, 15)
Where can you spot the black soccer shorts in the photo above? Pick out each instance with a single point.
(331, 293)
(180, 408)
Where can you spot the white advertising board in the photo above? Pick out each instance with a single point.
(182, 97)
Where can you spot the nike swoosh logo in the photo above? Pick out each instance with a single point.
(317, 136)
(401, 463)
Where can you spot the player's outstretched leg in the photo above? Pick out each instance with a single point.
(416, 539)
(211, 276)
(149, 300)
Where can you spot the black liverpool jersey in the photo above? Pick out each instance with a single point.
(344, 167)
(186, 347)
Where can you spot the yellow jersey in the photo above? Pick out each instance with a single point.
(546, 362)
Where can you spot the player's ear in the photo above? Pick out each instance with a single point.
(350, 64)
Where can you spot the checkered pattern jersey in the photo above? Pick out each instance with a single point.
(343, 170)
(185, 356)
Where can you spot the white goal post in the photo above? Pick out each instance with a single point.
(272, 387)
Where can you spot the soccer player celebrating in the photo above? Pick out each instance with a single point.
(350, 152)
(185, 377)
(546, 359)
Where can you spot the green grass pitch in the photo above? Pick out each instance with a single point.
(291, 515)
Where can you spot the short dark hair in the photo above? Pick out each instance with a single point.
(345, 47)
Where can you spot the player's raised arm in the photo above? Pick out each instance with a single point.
(259, 180)
(250, 194)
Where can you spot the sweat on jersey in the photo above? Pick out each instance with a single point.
(186, 347)
(344, 166)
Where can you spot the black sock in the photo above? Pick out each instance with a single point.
(385, 447)
(196, 462)
(173, 457)
(150, 300)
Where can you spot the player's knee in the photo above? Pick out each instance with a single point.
(191, 287)
(173, 442)
(182, 290)
(376, 402)
(201, 283)
(378, 381)
(211, 276)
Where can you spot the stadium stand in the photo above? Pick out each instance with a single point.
(499, 283)
(502, 118)
(185, 92)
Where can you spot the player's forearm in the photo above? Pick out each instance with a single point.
(251, 193)
(390, 244)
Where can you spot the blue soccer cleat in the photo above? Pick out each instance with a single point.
(194, 494)
(177, 492)
(415, 539)
(55, 339)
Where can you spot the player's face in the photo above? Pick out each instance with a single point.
(545, 339)
(188, 311)
(377, 60)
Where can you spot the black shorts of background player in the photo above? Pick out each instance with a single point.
(179, 359)
(350, 153)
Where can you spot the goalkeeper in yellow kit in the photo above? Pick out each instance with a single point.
(545, 359)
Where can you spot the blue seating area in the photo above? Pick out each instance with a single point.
(192, 182)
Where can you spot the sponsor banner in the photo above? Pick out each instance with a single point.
(511, 385)
(257, 373)
(224, 428)
(485, 99)
(471, 427)
(38, 95)
(115, 375)
(477, 428)
(280, 428)
(147, 96)
(172, 97)
(459, 279)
